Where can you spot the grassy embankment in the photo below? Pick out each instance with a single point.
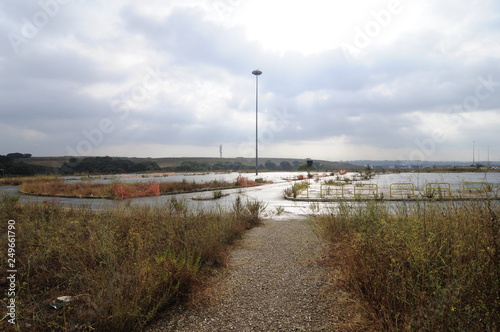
(120, 265)
(58, 187)
(422, 267)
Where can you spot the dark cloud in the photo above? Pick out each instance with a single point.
(89, 57)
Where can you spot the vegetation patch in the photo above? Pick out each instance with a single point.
(186, 186)
(295, 189)
(119, 266)
(56, 186)
(423, 266)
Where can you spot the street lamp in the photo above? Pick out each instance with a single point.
(256, 73)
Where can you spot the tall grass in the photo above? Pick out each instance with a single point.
(59, 187)
(17, 180)
(120, 265)
(295, 189)
(421, 266)
(180, 186)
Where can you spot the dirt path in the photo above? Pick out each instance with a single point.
(274, 282)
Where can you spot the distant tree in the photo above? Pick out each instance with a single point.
(304, 167)
(235, 166)
(286, 166)
(193, 166)
(219, 166)
(270, 165)
(16, 155)
(106, 165)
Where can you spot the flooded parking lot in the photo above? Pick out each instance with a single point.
(273, 192)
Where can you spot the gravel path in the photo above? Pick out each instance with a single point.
(274, 282)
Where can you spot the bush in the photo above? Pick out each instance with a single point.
(295, 189)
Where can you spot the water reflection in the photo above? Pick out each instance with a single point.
(271, 194)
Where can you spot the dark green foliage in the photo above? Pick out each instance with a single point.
(106, 165)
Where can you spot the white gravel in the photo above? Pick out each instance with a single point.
(274, 282)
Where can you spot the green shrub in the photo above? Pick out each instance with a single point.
(295, 189)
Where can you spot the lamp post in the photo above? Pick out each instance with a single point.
(256, 73)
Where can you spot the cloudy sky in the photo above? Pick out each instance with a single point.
(366, 79)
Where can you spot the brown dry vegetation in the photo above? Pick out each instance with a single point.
(58, 187)
(421, 266)
(120, 265)
(183, 186)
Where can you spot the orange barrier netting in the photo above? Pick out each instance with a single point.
(137, 190)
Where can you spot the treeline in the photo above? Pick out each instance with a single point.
(196, 166)
(19, 164)
(107, 165)
(13, 164)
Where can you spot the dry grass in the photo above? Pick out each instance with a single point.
(183, 186)
(121, 265)
(17, 180)
(422, 266)
(58, 187)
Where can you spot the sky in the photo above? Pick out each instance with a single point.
(341, 80)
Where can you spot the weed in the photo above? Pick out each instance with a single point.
(57, 186)
(279, 210)
(217, 194)
(121, 265)
(421, 266)
(296, 189)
